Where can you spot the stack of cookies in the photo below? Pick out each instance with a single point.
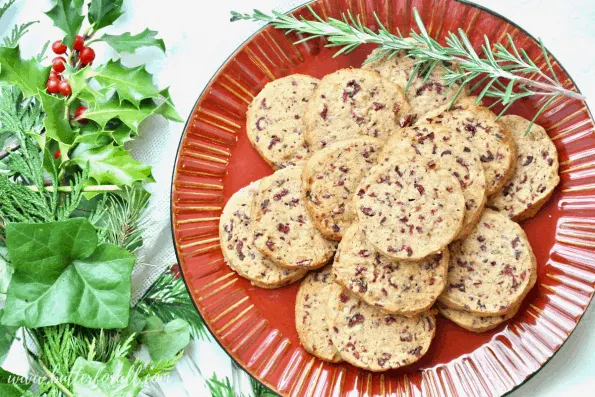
(400, 204)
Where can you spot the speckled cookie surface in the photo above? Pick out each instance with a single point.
(536, 174)
(408, 208)
(423, 96)
(274, 120)
(283, 230)
(369, 338)
(330, 179)
(353, 102)
(311, 315)
(452, 152)
(492, 139)
(237, 244)
(492, 269)
(475, 322)
(398, 287)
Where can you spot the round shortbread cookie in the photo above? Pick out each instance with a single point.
(283, 230)
(330, 179)
(353, 102)
(405, 288)
(536, 174)
(408, 208)
(452, 152)
(492, 269)
(311, 315)
(237, 244)
(492, 139)
(274, 120)
(423, 95)
(369, 338)
(475, 322)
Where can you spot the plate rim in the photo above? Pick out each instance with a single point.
(214, 77)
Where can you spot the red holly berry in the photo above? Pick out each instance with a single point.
(54, 75)
(52, 86)
(79, 42)
(59, 64)
(87, 55)
(57, 154)
(58, 47)
(64, 88)
(78, 113)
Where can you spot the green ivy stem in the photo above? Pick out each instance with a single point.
(68, 189)
(56, 381)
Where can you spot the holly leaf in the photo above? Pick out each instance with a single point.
(131, 84)
(79, 83)
(112, 165)
(121, 134)
(68, 16)
(56, 124)
(28, 75)
(114, 378)
(165, 341)
(129, 114)
(167, 108)
(92, 136)
(62, 276)
(12, 385)
(129, 43)
(103, 13)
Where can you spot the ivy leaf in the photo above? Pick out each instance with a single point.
(114, 378)
(131, 84)
(7, 335)
(135, 326)
(129, 43)
(68, 16)
(62, 276)
(165, 341)
(112, 165)
(126, 112)
(56, 124)
(29, 75)
(103, 13)
(11, 383)
(5, 272)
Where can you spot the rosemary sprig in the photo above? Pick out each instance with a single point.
(509, 75)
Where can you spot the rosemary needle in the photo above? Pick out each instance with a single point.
(508, 74)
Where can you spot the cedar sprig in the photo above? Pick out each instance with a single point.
(168, 299)
(508, 74)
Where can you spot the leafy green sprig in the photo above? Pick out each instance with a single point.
(507, 74)
(51, 159)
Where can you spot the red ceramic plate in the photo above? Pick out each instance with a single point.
(256, 326)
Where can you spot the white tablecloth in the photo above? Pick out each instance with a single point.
(199, 38)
